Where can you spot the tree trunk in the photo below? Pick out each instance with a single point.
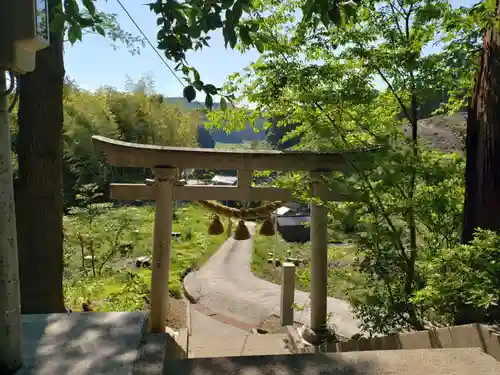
(38, 189)
(482, 174)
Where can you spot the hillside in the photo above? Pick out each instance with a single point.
(444, 132)
(220, 136)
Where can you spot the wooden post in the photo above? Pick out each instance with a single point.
(229, 232)
(245, 181)
(319, 264)
(287, 294)
(164, 182)
(245, 184)
(10, 300)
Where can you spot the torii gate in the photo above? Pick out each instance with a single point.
(166, 162)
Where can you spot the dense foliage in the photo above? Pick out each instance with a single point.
(133, 116)
(321, 80)
(128, 116)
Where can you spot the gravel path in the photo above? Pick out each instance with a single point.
(226, 285)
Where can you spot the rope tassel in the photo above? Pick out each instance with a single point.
(216, 226)
(267, 228)
(241, 233)
(256, 213)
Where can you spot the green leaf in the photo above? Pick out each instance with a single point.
(209, 101)
(84, 22)
(100, 30)
(189, 93)
(260, 46)
(198, 85)
(229, 17)
(195, 31)
(71, 8)
(155, 7)
(248, 5)
(325, 18)
(223, 103)
(334, 14)
(307, 10)
(350, 10)
(229, 36)
(211, 89)
(237, 12)
(196, 75)
(214, 21)
(74, 33)
(89, 4)
(254, 27)
(57, 22)
(245, 35)
(226, 4)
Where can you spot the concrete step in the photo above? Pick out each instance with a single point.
(267, 344)
(81, 343)
(211, 338)
(391, 362)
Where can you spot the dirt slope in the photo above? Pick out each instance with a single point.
(444, 132)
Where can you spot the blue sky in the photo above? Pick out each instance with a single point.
(94, 63)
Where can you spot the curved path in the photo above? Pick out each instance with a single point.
(226, 285)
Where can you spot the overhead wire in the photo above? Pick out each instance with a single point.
(120, 3)
(149, 42)
(155, 49)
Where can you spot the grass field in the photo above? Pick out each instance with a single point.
(116, 236)
(341, 277)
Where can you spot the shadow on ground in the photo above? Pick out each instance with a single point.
(306, 364)
(81, 343)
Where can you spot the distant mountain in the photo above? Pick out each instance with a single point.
(220, 136)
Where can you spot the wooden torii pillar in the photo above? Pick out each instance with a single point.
(166, 162)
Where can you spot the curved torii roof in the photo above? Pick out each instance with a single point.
(126, 154)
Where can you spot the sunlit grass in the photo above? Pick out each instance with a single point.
(341, 278)
(120, 286)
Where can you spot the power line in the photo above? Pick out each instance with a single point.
(154, 48)
(150, 44)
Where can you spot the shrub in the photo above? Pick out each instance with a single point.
(463, 282)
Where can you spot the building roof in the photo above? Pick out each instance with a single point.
(282, 210)
(225, 180)
(293, 221)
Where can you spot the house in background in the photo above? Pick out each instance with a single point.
(226, 181)
(292, 221)
(297, 207)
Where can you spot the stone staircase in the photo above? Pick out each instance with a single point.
(405, 362)
(218, 348)
(118, 343)
(211, 338)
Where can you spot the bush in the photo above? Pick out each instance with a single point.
(388, 263)
(463, 282)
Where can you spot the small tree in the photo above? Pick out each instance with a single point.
(101, 240)
(405, 186)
